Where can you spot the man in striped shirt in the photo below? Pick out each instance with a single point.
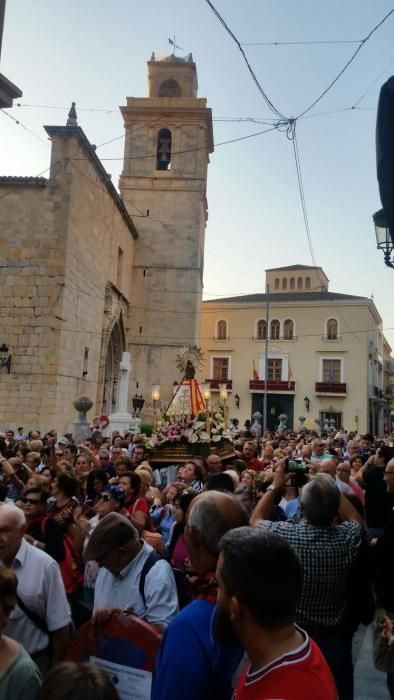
(259, 577)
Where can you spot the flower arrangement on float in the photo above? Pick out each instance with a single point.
(190, 425)
(173, 430)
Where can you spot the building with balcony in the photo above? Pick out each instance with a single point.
(325, 352)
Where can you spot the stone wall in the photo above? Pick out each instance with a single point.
(59, 250)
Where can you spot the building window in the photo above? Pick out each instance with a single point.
(274, 370)
(275, 330)
(170, 88)
(292, 283)
(277, 283)
(261, 329)
(331, 371)
(299, 283)
(284, 283)
(163, 155)
(288, 329)
(220, 368)
(119, 269)
(332, 329)
(221, 330)
(307, 282)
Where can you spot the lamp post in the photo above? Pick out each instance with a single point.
(155, 402)
(206, 394)
(383, 237)
(223, 396)
(267, 316)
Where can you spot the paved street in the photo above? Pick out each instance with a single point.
(370, 684)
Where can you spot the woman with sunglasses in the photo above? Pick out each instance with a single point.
(42, 530)
(19, 676)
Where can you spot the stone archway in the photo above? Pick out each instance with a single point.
(115, 349)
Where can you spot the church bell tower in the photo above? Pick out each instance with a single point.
(163, 184)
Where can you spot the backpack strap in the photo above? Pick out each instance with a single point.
(149, 563)
(35, 619)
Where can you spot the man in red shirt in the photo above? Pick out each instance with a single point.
(259, 577)
(249, 456)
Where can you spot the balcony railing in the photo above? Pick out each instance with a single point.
(272, 385)
(214, 383)
(330, 388)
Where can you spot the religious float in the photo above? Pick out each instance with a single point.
(192, 424)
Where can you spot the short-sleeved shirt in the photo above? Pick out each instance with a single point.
(41, 588)
(326, 554)
(302, 674)
(192, 664)
(122, 591)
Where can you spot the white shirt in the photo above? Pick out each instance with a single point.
(41, 588)
(122, 591)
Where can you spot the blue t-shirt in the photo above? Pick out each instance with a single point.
(192, 664)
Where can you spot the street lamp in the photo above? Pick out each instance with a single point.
(155, 402)
(383, 238)
(138, 403)
(5, 358)
(206, 394)
(223, 396)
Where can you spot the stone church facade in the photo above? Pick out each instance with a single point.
(86, 273)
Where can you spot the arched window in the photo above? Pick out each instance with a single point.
(299, 283)
(261, 329)
(284, 283)
(275, 330)
(288, 329)
(221, 330)
(307, 282)
(292, 283)
(163, 154)
(277, 283)
(170, 88)
(332, 329)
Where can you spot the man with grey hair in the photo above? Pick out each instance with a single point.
(192, 663)
(132, 576)
(327, 551)
(41, 619)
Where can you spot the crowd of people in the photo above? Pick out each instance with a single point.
(259, 566)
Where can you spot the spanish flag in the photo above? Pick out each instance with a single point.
(255, 373)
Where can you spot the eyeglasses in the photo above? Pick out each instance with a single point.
(30, 501)
(58, 454)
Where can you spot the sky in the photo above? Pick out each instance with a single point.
(95, 53)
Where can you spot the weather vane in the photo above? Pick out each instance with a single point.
(175, 45)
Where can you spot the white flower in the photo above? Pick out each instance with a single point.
(198, 425)
(204, 437)
(214, 431)
(193, 437)
(216, 438)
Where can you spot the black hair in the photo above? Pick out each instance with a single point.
(263, 571)
(68, 484)
(386, 453)
(220, 482)
(42, 492)
(95, 474)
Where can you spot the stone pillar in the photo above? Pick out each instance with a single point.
(256, 427)
(121, 419)
(301, 427)
(80, 428)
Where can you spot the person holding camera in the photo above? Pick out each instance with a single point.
(327, 551)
